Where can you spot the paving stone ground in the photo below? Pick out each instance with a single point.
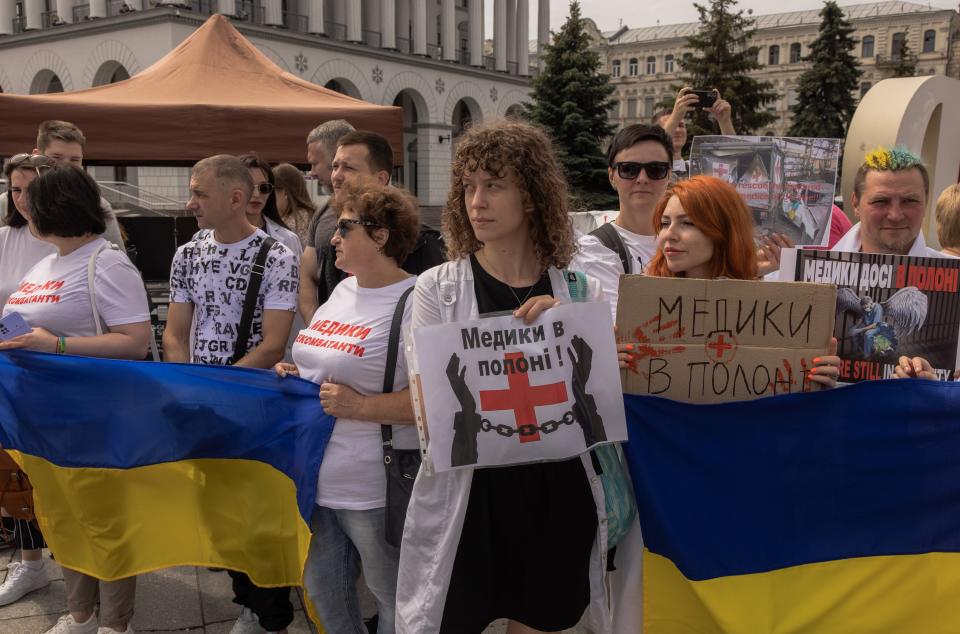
(187, 599)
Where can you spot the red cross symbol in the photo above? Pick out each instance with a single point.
(719, 345)
(522, 397)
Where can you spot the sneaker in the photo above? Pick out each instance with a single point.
(247, 623)
(66, 625)
(22, 580)
(110, 630)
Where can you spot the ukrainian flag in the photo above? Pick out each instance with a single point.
(139, 466)
(835, 511)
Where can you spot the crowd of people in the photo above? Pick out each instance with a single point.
(267, 273)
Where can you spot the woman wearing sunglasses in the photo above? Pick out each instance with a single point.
(520, 542)
(262, 209)
(65, 211)
(20, 250)
(638, 167)
(344, 349)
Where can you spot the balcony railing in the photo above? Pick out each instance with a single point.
(335, 30)
(372, 38)
(884, 61)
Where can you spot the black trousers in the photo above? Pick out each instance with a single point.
(271, 605)
(26, 534)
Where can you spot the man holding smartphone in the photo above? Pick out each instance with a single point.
(674, 121)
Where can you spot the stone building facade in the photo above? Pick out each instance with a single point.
(644, 68)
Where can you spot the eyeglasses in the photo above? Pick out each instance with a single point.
(265, 188)
(343, 225)
(36, 161)
(630, 170)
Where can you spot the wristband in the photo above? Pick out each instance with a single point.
(61, 345)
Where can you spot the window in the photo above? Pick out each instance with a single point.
(794, 52)
(864, 87)
(754, 53)
(929, 41)
(896, 46)
(774, 56)
(648, 104)
(651, 65)
(668, 64)
(632, 108)
(791, 98)
(632, 67)
(615, 68)
(866, 46)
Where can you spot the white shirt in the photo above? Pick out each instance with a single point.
(213, 277)
(351, 474)
(20, 250)
(54, 294)
(438, 505)
(604, 265)
(851, 242)
(284, 236)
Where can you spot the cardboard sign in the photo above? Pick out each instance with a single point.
(887, 306)
(707, 341)
(787, 182)
(496, 391)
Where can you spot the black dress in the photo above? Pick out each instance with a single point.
(524, 551)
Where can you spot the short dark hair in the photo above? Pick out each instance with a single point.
(636, 133)
(54, 130)
(65, 202)
(380, 158)
(391, 208)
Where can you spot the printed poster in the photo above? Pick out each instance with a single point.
(887, 306)
(498, 392)
(787, 182)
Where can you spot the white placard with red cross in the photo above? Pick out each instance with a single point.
(497, 392)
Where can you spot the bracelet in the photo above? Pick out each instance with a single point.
(61, 345)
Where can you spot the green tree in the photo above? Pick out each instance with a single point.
(571, 99)
(722, 58)
(825, 94)
(905, 59)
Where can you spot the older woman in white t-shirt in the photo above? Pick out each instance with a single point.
(54, 299)
(344, 349)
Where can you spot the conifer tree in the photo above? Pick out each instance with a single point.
(571, 99)
(906, 60)
(722, 58)
(825, 94)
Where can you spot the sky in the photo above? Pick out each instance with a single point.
(639, 13)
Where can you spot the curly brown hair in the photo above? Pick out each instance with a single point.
(387, 207)
(525, 151)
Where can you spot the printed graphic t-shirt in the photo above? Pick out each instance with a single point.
(214, 277)
(19, 252)
(54, 294)
(346, 343)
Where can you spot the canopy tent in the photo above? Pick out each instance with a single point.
(214, 93)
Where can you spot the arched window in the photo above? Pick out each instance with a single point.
(615, 68)
(795, 53)
(632, 67)
(866, 46)
(929, 41)
(774, 55)
(896, 44)
(668, 64)
(651, 65)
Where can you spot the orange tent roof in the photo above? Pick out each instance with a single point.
(215, 93)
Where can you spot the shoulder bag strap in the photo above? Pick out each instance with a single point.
(250, 301)
(91, 282)
(393, 349)
(609, 237)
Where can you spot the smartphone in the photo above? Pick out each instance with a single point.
(707, 98)
(13, 325)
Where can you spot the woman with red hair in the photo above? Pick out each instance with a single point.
(705, 231)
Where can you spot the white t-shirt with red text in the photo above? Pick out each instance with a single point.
(346, 343)
(19, 252)
(54, 294)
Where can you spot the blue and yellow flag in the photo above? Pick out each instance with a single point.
(836, 511)
(140, 466)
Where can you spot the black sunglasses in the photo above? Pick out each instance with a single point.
(36, 161)
(265, 188)
(630, 170)
(343, 225)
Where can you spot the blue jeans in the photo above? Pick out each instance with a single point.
(343, 542)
